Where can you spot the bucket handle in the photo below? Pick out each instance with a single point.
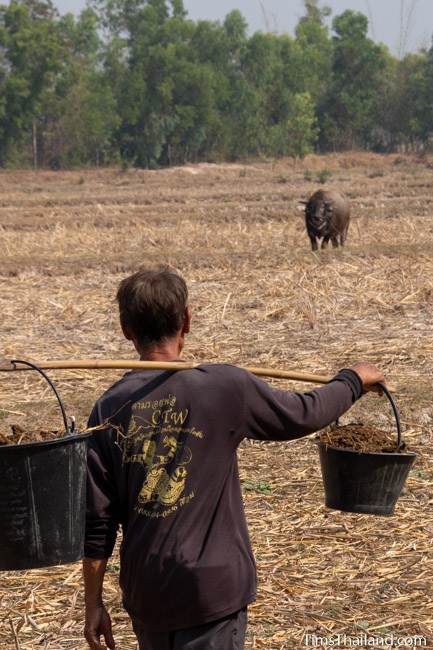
(386, 392)
(41, 372)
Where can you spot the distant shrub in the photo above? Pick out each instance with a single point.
(242, 173)
(324, 175)
(308, 175)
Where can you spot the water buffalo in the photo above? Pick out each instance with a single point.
(327, 215)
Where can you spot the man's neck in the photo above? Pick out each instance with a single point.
(167, 351)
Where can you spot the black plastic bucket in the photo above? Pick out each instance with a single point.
(43, 500)
(365, 482)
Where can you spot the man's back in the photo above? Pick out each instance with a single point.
(168, 472)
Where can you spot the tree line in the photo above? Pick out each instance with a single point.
(136, 82)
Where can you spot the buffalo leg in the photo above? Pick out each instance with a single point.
(313, 243)
(343, 236)
(325, 242)
(334, 242)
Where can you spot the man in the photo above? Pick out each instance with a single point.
(164, 467)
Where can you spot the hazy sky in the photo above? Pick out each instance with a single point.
(282, 16)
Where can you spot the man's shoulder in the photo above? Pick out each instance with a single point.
(120, 386)
(223, 369)
(223, 372)
(118, 393)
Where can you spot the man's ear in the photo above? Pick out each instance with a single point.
(126, 332)
(186, 328)
(130, 337)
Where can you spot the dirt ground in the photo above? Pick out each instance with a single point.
(259, 297)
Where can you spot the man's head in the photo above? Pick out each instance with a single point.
(153, 309)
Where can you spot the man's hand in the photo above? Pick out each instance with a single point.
(369, 375)
(98, 623)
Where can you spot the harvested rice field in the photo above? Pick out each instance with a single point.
(259, 297)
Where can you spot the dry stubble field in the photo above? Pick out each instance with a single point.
(259, 297)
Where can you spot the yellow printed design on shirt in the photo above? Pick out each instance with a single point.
(153, 441)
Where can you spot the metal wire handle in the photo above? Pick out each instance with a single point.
(395, 411)
(41, 372)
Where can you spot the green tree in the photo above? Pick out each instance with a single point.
(314, 13)
(315, 45)
(264, 74)
(78, 127)
(77, 116)
(402, 109)
(302, 132)
(350, 111)
(30, 55)
(419, 95)
(40, 9)
(165, 100)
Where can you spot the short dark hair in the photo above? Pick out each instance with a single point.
(152, 305)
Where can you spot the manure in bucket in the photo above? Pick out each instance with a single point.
(360, 437)
(19, 436)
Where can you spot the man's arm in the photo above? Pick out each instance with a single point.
(98, 622)
(102, 518)
(270, 414)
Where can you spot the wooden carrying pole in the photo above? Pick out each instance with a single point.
(121, 364)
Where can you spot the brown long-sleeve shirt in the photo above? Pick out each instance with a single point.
(165, 469)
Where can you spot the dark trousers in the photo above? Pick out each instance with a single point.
(227, 633)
